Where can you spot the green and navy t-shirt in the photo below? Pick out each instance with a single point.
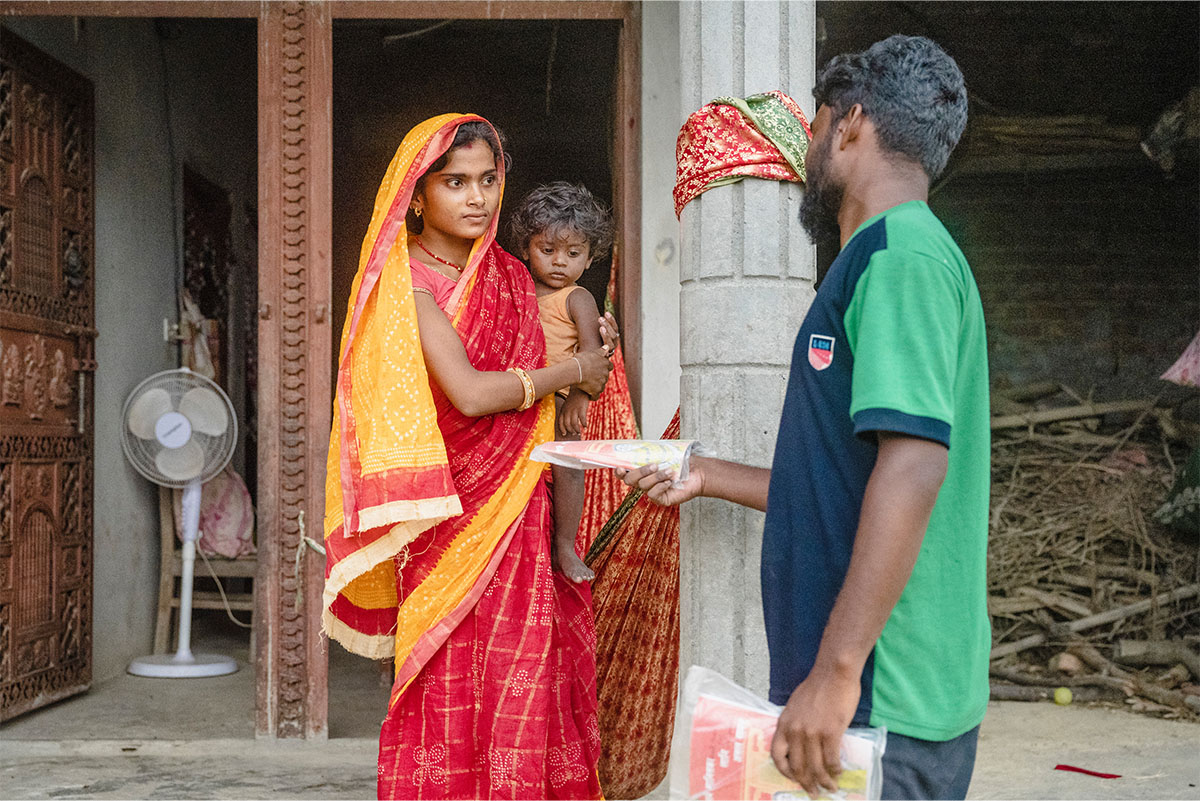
(894, 341)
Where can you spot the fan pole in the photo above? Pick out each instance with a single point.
(191, 532)
(184, 664)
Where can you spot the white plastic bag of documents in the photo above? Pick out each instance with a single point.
(722, 747)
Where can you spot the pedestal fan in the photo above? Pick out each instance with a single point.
(180, 431)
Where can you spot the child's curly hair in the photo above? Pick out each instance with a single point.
(558, 208)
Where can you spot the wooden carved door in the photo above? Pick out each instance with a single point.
(46, 366)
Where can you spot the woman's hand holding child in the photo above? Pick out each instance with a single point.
(596, 364)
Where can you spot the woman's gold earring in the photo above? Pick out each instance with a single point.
(417, 211)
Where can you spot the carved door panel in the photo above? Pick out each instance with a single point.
(46, 367)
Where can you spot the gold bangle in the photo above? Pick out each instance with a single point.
(526, 385)
(579, 364)
(530, 394)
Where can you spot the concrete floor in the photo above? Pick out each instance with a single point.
(1020, 743)
(1019, 747)
(132, 737)
(137, 738)
(174, 769)
(222, 707)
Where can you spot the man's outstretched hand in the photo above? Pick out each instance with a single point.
(659, 484)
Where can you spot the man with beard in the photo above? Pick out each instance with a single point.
(875, 542)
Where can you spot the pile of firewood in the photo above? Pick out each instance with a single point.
(1086, 589)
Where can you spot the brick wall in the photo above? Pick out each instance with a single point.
(1088, 278)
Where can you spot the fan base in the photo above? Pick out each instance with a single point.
(169, 666)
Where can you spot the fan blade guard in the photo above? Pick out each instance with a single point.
(145, 411)
(206, 411)
(181, 464)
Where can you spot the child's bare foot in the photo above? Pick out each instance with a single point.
(567, 562)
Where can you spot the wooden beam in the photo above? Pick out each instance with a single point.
(1110, 616)
(133, 8)
(1069, 413)
(337, 9)
(295, 86)
(1010, 692)
(1002, 163)
(479, 9)
(1139, 653)
(627, 197)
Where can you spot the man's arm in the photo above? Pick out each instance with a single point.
(899, 499)
(708, 478)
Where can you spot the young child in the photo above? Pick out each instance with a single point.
(559, 229)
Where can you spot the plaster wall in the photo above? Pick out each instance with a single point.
(161, 101)
(662, 116)
(213, 107)
(135, 290)
(1100, 291)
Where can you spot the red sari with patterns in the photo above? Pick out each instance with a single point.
(505, 705)
(438, 530)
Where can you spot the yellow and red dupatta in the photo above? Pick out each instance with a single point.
(390, 476)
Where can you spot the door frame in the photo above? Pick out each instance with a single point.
(295, 82)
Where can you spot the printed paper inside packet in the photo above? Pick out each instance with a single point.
(624, 453)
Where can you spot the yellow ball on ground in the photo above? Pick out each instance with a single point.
(1062, 696)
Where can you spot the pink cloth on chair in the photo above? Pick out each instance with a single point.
(226, 516)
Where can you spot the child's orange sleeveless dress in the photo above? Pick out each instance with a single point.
(562, 337)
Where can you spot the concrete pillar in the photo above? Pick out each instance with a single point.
(746, 273)
(662, 115)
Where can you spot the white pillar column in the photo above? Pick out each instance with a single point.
(746, 273)
(661, 118)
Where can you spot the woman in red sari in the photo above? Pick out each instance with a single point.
(438, 527)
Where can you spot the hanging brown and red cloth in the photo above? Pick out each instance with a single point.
(635, 598)
(761, 136)
(609, 417)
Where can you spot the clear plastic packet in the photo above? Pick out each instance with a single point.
(721, 748)
(624, 453)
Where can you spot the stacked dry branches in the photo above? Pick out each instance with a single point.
(1077, 562)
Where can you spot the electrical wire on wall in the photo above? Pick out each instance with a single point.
(391, 38)
(221, 589)
(550, 51)
(160, 29)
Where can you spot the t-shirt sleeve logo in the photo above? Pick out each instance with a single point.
(820, 351)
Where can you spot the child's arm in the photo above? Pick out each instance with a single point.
(581, 307)
(572, 418)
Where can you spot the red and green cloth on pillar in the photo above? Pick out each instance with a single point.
(762, 136)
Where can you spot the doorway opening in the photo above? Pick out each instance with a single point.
(549, 85)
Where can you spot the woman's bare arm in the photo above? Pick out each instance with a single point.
(476, 393)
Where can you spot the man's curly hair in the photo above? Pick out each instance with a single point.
(909, 88)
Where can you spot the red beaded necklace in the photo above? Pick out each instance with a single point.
(435, 256)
